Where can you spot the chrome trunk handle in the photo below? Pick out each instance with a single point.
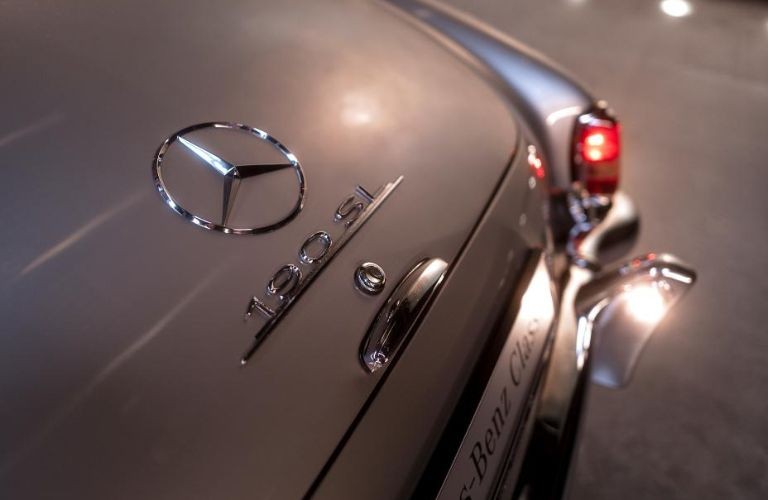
(401, 312)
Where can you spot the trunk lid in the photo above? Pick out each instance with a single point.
(122, 323)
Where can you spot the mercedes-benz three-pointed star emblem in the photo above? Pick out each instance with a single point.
(232, 175)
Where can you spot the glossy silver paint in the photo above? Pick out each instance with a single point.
(122, 323)
(545, 98)
(137, 374)
(419, 396)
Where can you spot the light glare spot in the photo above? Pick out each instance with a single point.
(676, 8)
(596, 140)
(358, 108)
(646, 304)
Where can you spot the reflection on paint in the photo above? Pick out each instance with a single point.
(558, 115)
(37, 126)
(358, 108)
(81, 232)
(676, 8)
(103, 375)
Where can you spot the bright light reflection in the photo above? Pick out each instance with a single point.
(676, 8)
(563, 113)
(358, 108)
(646, 304)
(668, 273)
(596, 140)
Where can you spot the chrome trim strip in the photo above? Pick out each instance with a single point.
(273, 319)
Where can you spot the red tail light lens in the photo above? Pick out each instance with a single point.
(597, 152)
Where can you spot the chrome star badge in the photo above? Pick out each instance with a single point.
(229, 177)
(240, 180)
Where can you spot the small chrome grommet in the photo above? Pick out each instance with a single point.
(370, 278)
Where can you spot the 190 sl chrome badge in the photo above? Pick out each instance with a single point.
(227, 159)
(210, 168)
(290, 280)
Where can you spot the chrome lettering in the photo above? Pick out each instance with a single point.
(284, 282)
(289, 281)
(320, 242)
(348, 211)
(255, 304)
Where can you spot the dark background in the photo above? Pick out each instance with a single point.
(692, 93)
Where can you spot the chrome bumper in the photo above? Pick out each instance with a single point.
(607, 316)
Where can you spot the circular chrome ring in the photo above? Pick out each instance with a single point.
(157, 175)
(370, 278)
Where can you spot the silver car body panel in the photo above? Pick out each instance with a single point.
(479, 303)
(123, 323)
(546, 99)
